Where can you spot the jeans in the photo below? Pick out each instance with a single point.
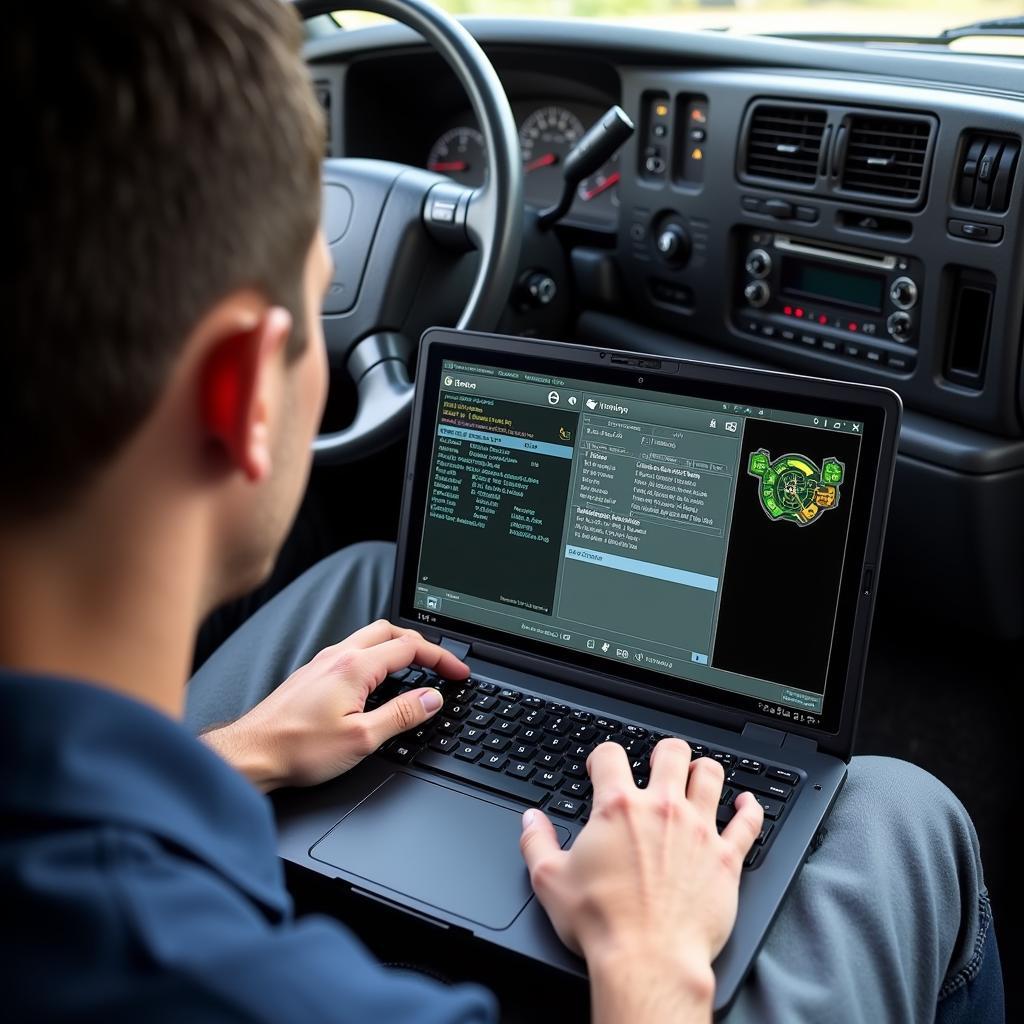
(889, 920)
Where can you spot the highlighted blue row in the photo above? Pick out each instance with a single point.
(649, 569)
(522, 444)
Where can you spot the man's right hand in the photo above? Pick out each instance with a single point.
(648, 891)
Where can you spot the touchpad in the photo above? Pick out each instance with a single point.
(457, 852)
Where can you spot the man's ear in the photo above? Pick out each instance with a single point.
(237, 386)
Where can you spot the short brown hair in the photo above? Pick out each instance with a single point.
(165, 153)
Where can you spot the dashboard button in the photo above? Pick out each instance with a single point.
(810, 340)
(873, 356)
(902, 363)
(853, 351)
(751, 203)
(787, 335)
(638, 232)
(975, 231)
(779, 208)
(806, 213)
(768, 330)
(830, 344)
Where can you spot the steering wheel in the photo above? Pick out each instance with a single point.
(384, 222)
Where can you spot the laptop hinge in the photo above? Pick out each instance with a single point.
(777, 738)
(457, 647)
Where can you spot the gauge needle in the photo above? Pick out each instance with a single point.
(449, 165)
(542, 161)
(612, 179)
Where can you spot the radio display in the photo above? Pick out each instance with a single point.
(843, 287)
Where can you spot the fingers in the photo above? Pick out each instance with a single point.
(745, 825)
(670, 762)
(609, 771)
(424, 653)
(538, 842)
(704, 788)
(403, 712)
(402, 651)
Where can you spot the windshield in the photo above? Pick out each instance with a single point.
(913, 19)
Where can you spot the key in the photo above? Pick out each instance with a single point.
(472, 733)
(772, 808)
(401, 753)
(550, 780)
(558, 709)
(510, 695)
(565, 806)
(582, 716)
(449, 726)
(458, 710)
(505, 727)
(576, 769)
(510, 711)
(766, 787)
(783, 775)
(534, 702)
(547, 759)
(468, 752)
(485, 703)
(578, 788)
(481, 718)
(532, 735)
(495, 761)
(535, 717)
(520, 769)
(745, 764)
(522, 751)
(557, 743)
(487, 687)
(766, 831)
(496, 743)
(443, 743)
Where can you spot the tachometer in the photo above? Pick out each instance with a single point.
(546, 137)
(460, 154)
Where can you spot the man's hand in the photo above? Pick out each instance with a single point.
(648, 892)
(313, 726)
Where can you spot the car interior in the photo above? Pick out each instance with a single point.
(842, 204)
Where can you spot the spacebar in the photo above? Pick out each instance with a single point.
(496, 781)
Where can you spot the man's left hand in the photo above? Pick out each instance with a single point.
(313, 726)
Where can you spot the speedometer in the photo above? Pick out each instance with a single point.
(460, 154)
(546, 137)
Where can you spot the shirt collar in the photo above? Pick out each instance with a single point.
(74, 751)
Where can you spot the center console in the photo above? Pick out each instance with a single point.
(845, 300)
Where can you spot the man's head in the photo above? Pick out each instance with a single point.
(167, 267)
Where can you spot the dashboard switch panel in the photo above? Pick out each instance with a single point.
(655, 142)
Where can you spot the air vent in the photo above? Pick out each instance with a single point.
(784, 143)
(886, 157)
(985, 173)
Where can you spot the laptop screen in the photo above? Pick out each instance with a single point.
(695, 541)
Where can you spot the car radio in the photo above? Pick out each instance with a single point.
(854, 302)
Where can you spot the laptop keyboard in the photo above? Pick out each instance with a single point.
(535, 750)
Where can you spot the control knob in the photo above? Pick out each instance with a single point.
(759, 263)
(673, 244)
(757, 293)
(903, 293)
(899, 325)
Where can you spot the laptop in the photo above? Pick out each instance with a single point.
(622, 547)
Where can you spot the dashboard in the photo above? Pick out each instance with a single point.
(434, 127)
(839, 211)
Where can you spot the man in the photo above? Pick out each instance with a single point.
(165, 374)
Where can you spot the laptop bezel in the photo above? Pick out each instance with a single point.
(838, 742)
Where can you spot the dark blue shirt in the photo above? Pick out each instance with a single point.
(139, 880)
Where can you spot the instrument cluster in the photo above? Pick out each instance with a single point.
(547, 133)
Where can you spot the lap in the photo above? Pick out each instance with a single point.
(888, 913)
